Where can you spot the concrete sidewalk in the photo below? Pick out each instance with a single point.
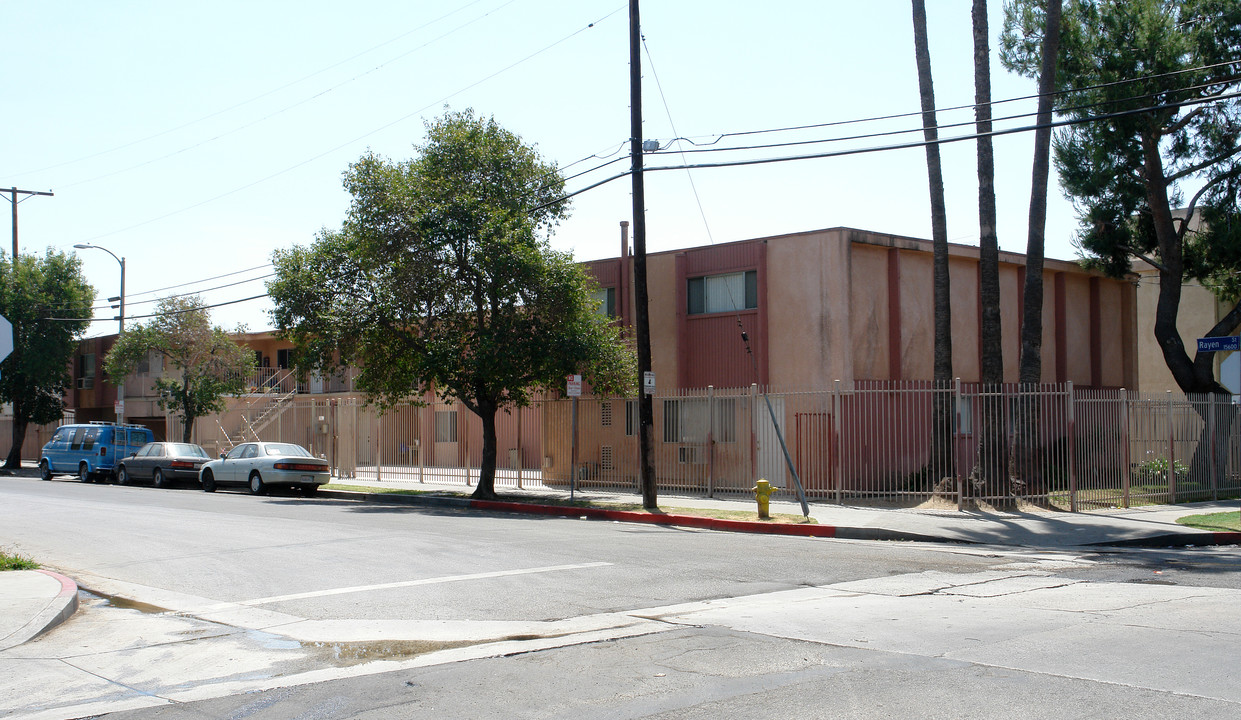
(1153, 526)
(33, 602)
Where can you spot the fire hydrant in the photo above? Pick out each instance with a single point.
(762, 493)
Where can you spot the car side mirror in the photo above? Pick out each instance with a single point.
(133, 454)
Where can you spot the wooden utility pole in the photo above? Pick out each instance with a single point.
(13, 191)
(646, 410)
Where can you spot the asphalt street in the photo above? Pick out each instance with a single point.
(234, 606)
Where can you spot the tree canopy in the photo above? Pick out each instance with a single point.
(1155, 85)
(442, 279)
(34, 292)
(203, 363)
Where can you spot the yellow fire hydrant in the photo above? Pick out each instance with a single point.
(762, 493)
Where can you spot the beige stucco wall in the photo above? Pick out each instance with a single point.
(1199, 311)
(808, 309)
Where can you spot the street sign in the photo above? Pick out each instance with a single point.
(574, 385)
(1217, 344)
(6, 337)
(648, 383)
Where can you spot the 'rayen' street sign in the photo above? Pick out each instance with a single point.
(1216, 344)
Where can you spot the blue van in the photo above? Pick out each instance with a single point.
(91, 450)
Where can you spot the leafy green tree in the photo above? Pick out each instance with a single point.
(33, 378)
(202, 363)
(1168, 72)
(441, 280)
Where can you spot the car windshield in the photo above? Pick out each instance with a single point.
(286, 449)
(186, 450)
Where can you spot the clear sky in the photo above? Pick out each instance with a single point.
(194, 139)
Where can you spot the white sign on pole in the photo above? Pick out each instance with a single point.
(6, 337)
(648, 383)
(574, 384)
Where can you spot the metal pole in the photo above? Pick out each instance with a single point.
(1072, 448)
(710, 441)
(1126, 451)
(573, 449)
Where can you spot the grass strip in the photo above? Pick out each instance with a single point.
(716, 513)
(1216, 522)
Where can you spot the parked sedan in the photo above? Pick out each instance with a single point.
(260, 465)
(161, 463)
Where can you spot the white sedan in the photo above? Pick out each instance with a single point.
(260, 465)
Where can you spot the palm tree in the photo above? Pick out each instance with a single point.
(942, 411)
(987, 476)
(1027, 477)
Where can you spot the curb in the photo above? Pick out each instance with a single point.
(691, 521)
(1176, 540)
(59, 608)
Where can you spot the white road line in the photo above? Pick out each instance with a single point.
(412, 583)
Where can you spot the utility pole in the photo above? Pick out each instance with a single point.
(13, 191)
(646, 410)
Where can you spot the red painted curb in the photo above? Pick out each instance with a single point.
(1227, 538)
(825, 531)
(67, 586)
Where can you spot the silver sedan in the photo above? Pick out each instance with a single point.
(261, 465)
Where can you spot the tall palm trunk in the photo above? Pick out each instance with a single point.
(942, 410)
(1026, 472)
(987, 478)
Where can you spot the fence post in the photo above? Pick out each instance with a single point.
(710, 441)
(1070, 403)
(956, 433)
(837, 434)
(1171, 454)
(520, 447)
(753, 434)
(422, 451)
(1211, 434)
(378, 446)
(1126, 451)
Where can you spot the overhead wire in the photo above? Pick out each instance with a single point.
(275, 90)
(359, 137)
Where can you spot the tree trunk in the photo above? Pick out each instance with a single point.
(941, 425)
(1027, 477)
(14, 460)
(988, 475)
(486, 489)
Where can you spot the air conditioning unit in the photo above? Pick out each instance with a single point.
(86, 383)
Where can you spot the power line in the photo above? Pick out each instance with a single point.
(363, 136)
(276, 90)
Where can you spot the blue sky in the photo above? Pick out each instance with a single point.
(195, 139)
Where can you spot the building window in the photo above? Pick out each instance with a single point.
(606, 297)
(686, 420)
(283, 359)
(723, 293)
(631, 418)
(445, 426)
(86, 371)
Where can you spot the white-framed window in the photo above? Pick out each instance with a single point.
(686, 420)
(723, 293)
(445, 426)
(606, 297)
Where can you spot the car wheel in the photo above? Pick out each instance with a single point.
(45, 470)
(256, 484)
(122, 476)
(158, 479)
(310, 490)
(84, 473)
(208, 482)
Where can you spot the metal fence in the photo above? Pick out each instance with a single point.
(868, 442)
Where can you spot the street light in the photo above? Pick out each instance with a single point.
(121, 298)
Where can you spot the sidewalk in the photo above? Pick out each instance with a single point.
(1152, 526)
(34, 601)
